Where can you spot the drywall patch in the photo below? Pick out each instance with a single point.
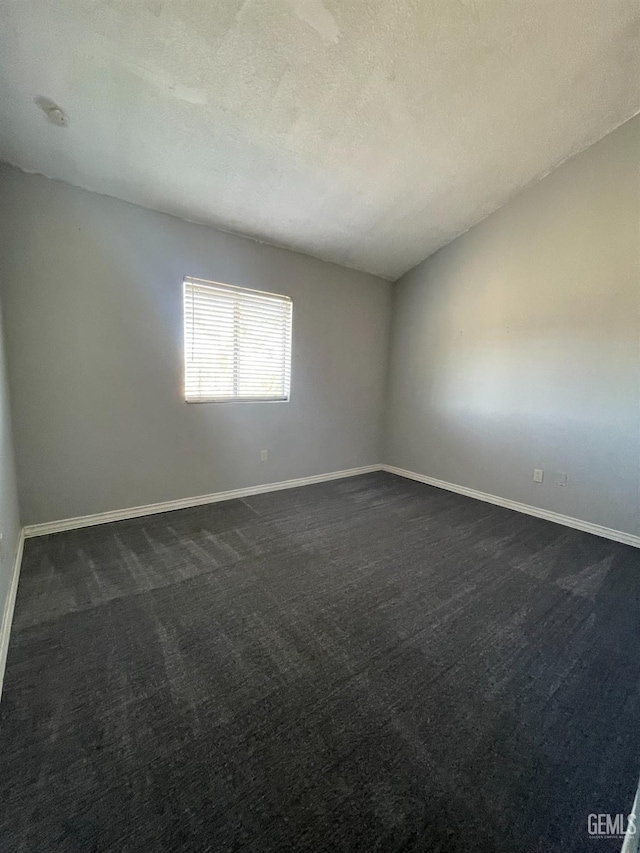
(314, 13)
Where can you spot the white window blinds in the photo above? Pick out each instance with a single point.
(237, 343)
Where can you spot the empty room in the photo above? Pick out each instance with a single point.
(319, 426)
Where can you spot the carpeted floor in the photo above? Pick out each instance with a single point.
(368, 664)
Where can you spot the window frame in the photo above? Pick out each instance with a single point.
(240, 289)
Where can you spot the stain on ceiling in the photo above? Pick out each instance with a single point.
(368, 133)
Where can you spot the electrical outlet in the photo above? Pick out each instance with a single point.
(538, 475)
(264, 455)
(560, 478)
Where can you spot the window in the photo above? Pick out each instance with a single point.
(237, 343)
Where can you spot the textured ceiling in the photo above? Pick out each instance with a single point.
(368, 132)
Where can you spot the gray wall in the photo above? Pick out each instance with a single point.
(517, 346)
(94, 340)
(9, 517)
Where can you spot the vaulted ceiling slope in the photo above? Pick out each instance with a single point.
(368, 132)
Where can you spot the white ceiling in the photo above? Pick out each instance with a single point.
(369, 132)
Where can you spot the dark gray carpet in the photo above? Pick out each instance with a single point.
(368, 664)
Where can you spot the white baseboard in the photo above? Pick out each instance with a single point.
(548, 515)
(630, 843)
(7, 614)
(185, 503)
